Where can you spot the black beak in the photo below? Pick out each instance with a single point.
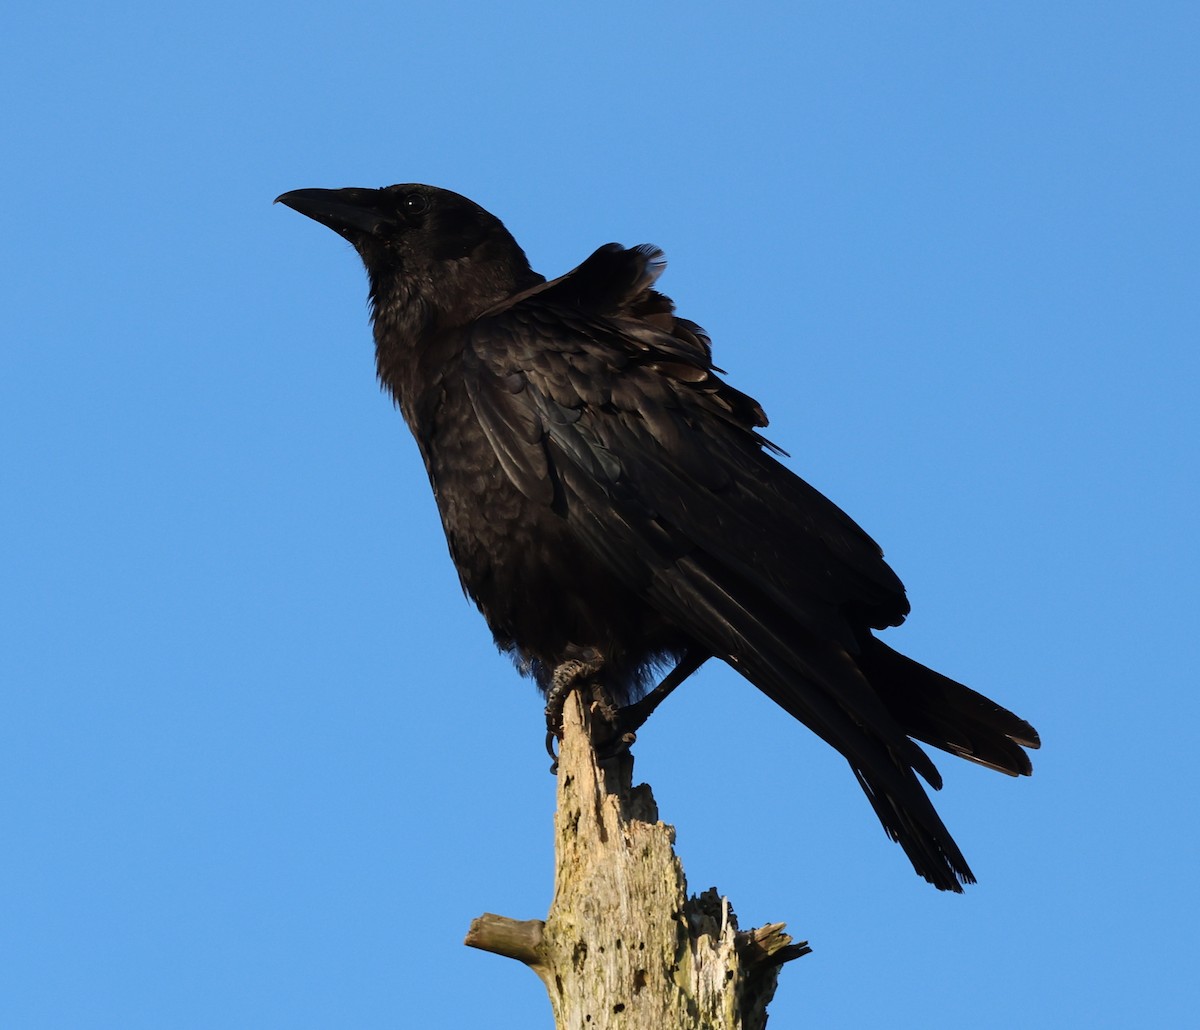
(350, 212)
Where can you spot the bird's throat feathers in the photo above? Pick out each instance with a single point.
(406, 332)
(417, 312)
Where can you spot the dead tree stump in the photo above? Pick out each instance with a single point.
(623, 944)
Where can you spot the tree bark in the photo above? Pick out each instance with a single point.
(623, 944)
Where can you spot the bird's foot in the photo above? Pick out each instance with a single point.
(613, 727)
(568, 675)
(612, 731)
(611, 734)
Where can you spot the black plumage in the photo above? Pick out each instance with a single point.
(605, 494)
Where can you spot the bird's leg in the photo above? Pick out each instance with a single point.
(632, 717)
(566, 677)
(621, 724)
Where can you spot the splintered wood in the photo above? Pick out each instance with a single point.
(623, 945)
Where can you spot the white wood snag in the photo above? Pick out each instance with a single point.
(623, 945)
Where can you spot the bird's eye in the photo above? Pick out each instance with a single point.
(414, 204)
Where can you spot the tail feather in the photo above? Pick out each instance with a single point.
(920, 831)
(866, 705)
(921, 703)
(885, 762)
(939, 711)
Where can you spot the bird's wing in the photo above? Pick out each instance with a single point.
(594, 373)
(606, 407)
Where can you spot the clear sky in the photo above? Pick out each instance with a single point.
(260, 764)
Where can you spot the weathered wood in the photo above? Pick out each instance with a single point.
(519, 939)
(623, 945)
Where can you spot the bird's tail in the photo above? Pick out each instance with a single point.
(886, 764)
(920, 704)
(868, 702)
(937, 710)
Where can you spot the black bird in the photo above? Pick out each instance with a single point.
(611, 507)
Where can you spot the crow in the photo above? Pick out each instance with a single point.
(613, 510)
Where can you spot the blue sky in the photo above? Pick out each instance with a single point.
(259, 762)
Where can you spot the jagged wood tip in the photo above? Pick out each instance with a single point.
(624, 947)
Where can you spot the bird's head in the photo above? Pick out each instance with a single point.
(422, 246)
